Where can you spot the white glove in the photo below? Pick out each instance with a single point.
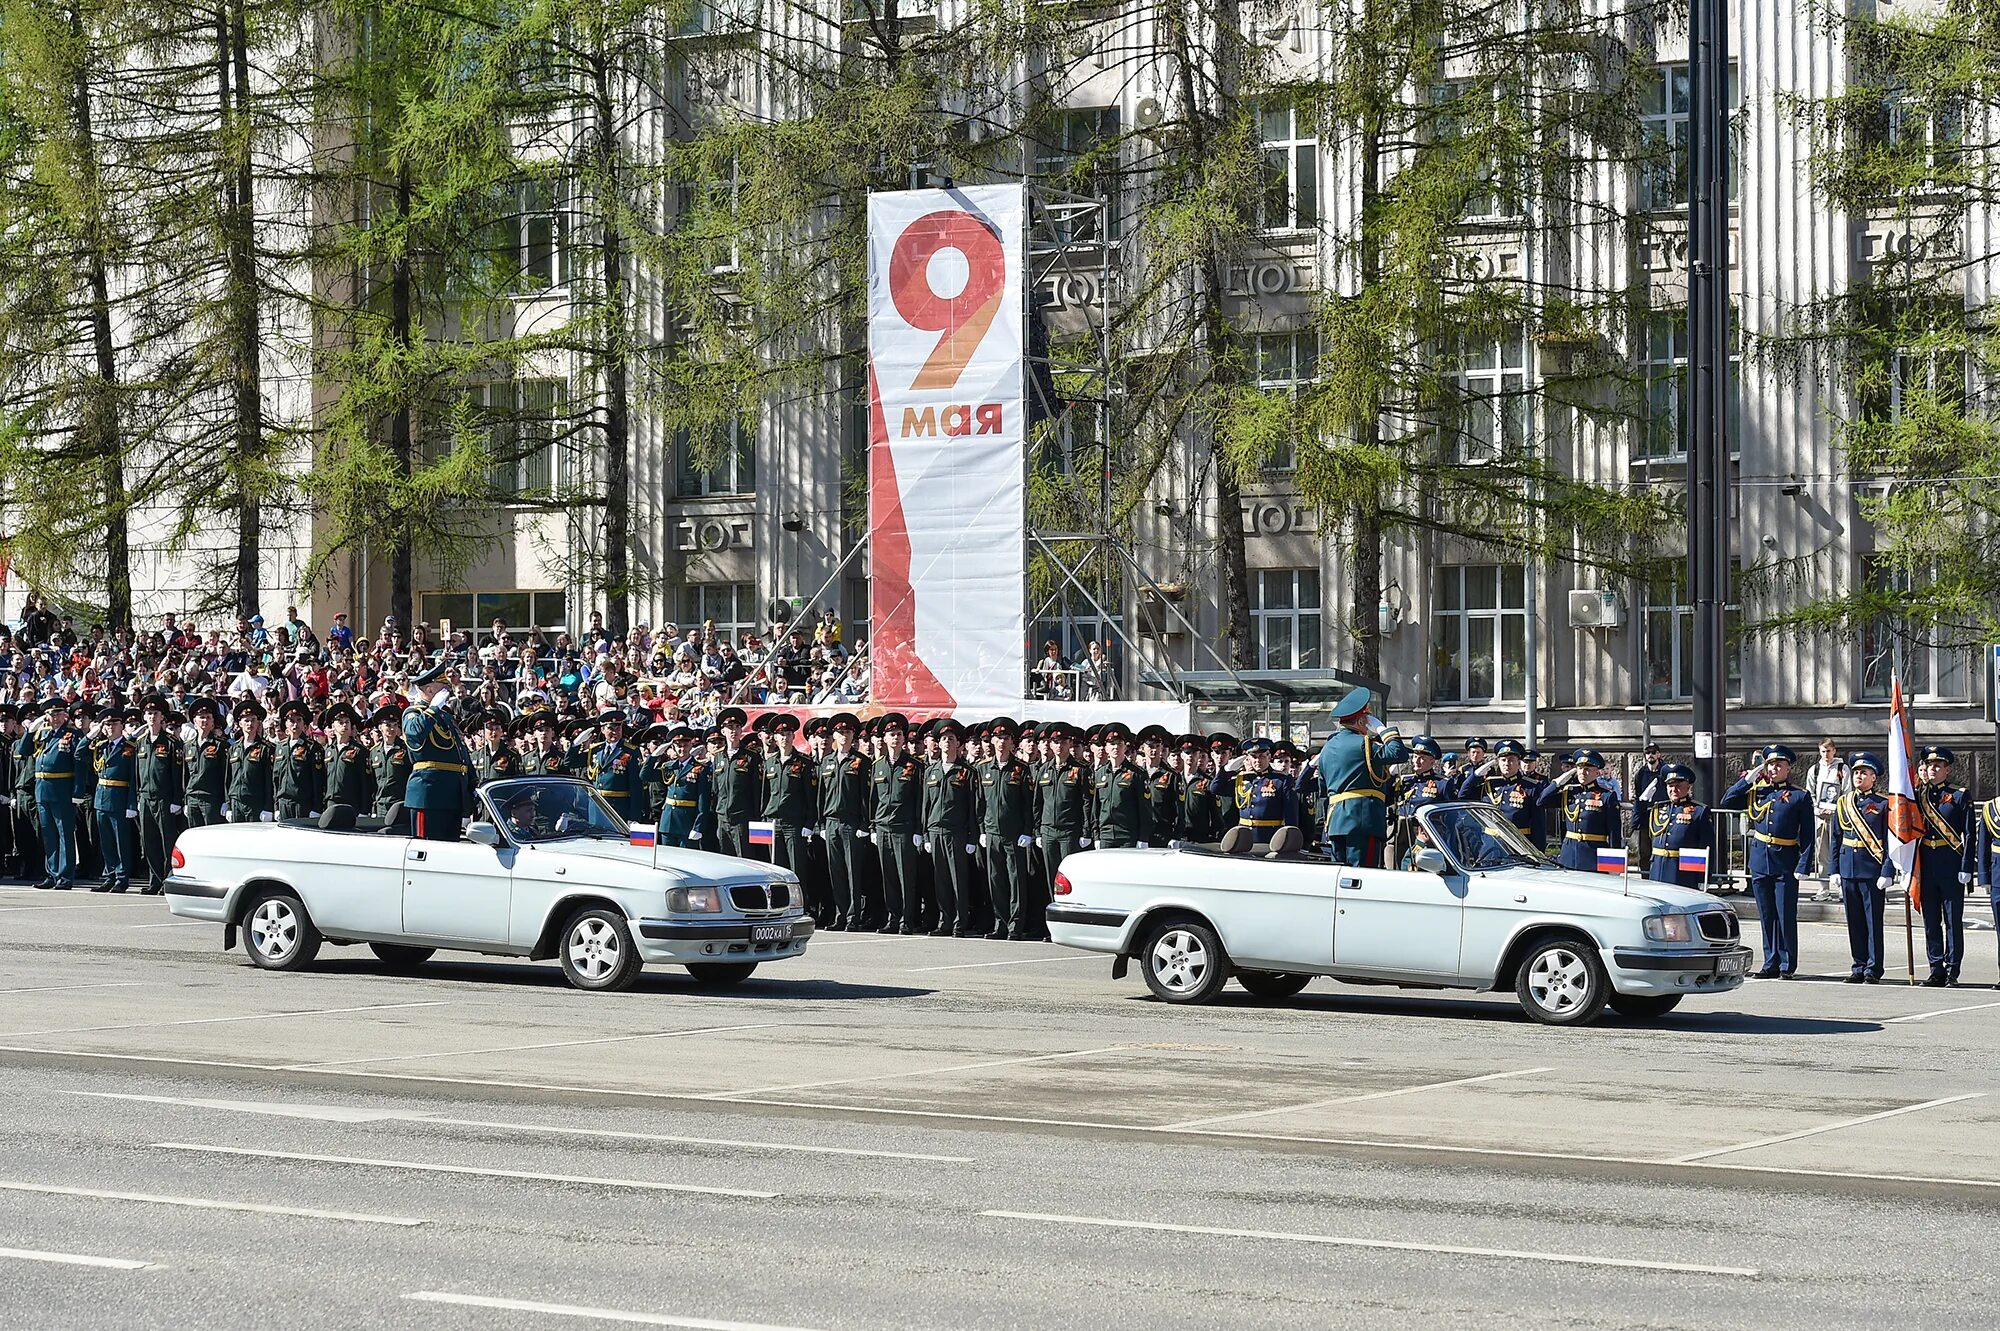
(982, 838)
(6, 803)
(1024, 842)
(1173, 845)
(1375, 724)
(173, 808)
(1965, 880)
(131, 813)
(312, 813)
(971, 849)
(1488, 766)
(863, 836)
(917, 841)
(1083, 843)
(1886, 881)
(1141, 845)
(806, 833)
(229, 815)
(266, 816)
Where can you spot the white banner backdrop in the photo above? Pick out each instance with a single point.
(947, 502)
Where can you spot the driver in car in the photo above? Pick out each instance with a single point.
(520, 814)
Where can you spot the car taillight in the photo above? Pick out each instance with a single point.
(180, 860)
(1062, 885)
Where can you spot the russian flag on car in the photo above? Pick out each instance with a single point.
(762, 834)
(644, 836)
(1610, 859)
(1694, 859)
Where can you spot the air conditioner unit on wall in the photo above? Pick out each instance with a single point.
(1595, 610)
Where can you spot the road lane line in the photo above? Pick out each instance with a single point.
(1824, 1127)
(594, 1314)
(172, 924)
(1352, 1099)
(1019, 961)
(79, 1259)
(916, 1072)
(1392, 1245)
(208, 1204)
(81, 905)
(1942, 1012)
(216, 1021)
(523, 1048)
(320, 1113)
(58, 988)
(425, 1167)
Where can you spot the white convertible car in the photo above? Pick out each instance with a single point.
(1480, 908)
(547, 869)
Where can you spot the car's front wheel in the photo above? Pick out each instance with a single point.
(1184, 962)
(278, 934)
(1561, 982)
(721, 972)
(597, 951)
(1272, 984)
(1644, 1007)
(399, 957)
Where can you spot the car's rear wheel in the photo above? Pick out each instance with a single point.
(1184, 962)
(1644, 1007)
(278, 934)
(721, 972)
(1272, 984)
(1561, 982)
(597, 951)
(398, 957)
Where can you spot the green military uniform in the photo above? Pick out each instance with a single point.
(1007, 819)
(843, 821)
(951, 816)
(1063, 785)
(897, 788)
(27, 820)
(1163, 807)
(503, 763)
(298, 776)
(791, 806)
(350, 776)
(162, 802)
(207, 779)
(392, 774)
(252, 797)
(739, 797)
(1123, 816)
(1354, 769)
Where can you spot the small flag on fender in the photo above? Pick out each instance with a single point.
(1610, 859)
(762, 834)
(1694, 859)
(644, 836)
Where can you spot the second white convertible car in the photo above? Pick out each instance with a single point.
(1480, 908)
(546, 870)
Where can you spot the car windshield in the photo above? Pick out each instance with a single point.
(551, 809)
(1478, 837)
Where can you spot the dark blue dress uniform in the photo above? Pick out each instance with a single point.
(1675, 826)
(1590, 815)
(1943, 860)
(1861, 841)
(613, 770)
(1519, 796)
(1265, 801)
(1986, 849)
(1781, 847)
(116, 804)
(688, 807)
(1420, 790)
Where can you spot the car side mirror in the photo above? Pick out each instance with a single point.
(484, 834)
(1429, 859)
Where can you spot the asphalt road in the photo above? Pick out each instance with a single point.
(957, 1134)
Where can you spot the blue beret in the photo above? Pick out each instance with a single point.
(1867, 760)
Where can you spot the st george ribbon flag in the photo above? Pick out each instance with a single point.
(1906, 820)
(947, 463)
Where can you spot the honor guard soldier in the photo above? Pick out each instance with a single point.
(688, 784)
(611, 765)
(1163, 788)
(1944, 866)
(1588, 806)
(498, 759)
(207, 765)
(1197, 812)
(298, 770)
(1861, 862)
(1265, 797)
(951, 815)
(29, 861)
(1063, 786)
(1123, 818)
(115, 801)
(1676, 824)
(739, 785)
(392, 759)
(55, 755)
(1781, 843)
(791, 802)
(1512, 787)
(1986, 852)
(844, 775)
(350, 768)
(1425, 784)
(10, 843)
(1007, 822)
(251, 796)
(162, 792)
(1354, 772)
(439, 790)
(1220, 785)
(897, 791)
(90, 723)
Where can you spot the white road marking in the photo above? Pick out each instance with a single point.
(322, 1113)
(1018, 961)
(82, 905)
(58, 988)
(914, 1072)
(1824, 1127)
(215, 1021)
(79, 1259)
(173, 924)
(1941, 1012)
(425, 1167)
(594, 1314)
(522, 1048)
(208, 1204)
(1393, 1245)
(1355, 1099)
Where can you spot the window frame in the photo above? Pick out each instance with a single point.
(738, 460)
(1300, 620)
(1462, 618)
(1297, 154)
(1302, 348)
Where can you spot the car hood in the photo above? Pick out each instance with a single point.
(1644, 891)
(699, 865)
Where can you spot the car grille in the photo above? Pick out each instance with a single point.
(761, 896)
(1720, 925)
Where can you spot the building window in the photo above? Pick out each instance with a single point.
(522, 419)
(519, 611)
(1078, 154)
(732, 606)
(735, 463)
(1920, 133)
(706, 209)
(1289, 199)
(1284, 612)
(1464, 110)
(1669, 641)
(1479, 633)
(1663, 362)
(1283, 362)
(1663, 122)
(1893, 648)
(539, 235)
(711, 18)
(1927, 379)
(1492, 420)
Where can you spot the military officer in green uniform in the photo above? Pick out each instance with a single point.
(252, 797)
(28, 861)
(207, 764)
(497, 759)
(1062, 803)
(350, 767)
(162, 791)
(897, 788)
(1163, 788)
(115, 800)
(298, 768)
(1354, 771)
(391, 759)
(951, 813)
(791, 804)
(1007, 824)
(1123, 816)
(439, 789)
(739, 786)
(844, 775)
(55, 753)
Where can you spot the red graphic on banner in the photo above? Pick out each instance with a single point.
(961, 319)
(896, 670)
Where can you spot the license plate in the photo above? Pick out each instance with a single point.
(770, 933)
(1735, 965)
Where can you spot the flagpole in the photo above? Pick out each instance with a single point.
(1909, 926)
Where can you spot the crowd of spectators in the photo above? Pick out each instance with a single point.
(673, 673)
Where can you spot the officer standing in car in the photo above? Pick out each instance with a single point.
(439, 790)
(1860, 861)
(1781, 845)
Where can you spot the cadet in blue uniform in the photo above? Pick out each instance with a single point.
(1676, 823)
(1588, 806)
(1781, 846)
(115, 801)
(1515, 790)
(612, 766)
(1943, 865)
(440, 785)
(688, 784)
(1860, 860)
(1265, 799)
(56, 754)
(1353, 770)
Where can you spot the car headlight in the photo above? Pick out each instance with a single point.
(1670, 928)
(694, 900)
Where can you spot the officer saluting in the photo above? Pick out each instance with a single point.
(1266, 800)
(1943, 865)
(162, 791)
(1589, 808)
(1516, 791)
(1354, 771)
(1675, 823)
(440, 783)
(1860, 859)
(685, 808)
(56, 754)
(1781, 842)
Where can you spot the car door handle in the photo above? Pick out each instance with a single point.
(419, 854)
(1351, 884)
